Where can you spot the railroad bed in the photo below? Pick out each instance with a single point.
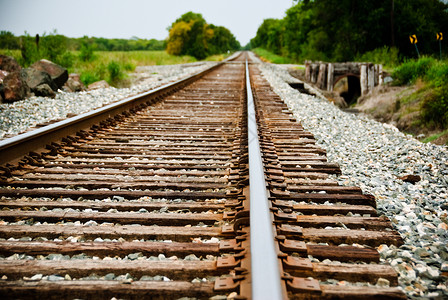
(155, 202)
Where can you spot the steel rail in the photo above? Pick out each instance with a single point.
(14, 148)
(264, 260)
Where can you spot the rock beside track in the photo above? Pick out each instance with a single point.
(9, 64)
(57, 73)
(23, 115)
(15, 87)
(376, 157)
(102, 84)
(43, 78)
(74, 83)
(34, 78)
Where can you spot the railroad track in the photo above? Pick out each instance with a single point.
(151, 198)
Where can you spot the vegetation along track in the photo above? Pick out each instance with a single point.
(155, 202)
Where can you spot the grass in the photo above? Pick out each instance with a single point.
(434, 136)
(431, 79)
(271, 57)
(144, 58)
(113, 66)
(14, 53)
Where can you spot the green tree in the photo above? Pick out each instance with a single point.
(191, 35)
(222, 40)
(8, 40)
(270, 36)
(188, 35)
(342, 29)
(53, 47)
(86, 51)
(179, 34)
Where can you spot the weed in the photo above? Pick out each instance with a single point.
(434, 136)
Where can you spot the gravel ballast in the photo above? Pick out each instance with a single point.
(373, 156)
(24, 115)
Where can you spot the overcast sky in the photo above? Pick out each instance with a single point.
(127, 18)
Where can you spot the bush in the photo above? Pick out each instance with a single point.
(404, 74)
(423, 65)
(115, 72)
(434, 109)
(28, 50)
(52, 47)
(437, 75)
(93, 74)
(67, 60)
(434, 105)
(129, 66)
(88, 77)
(409, 71)
(386, 56)
(86, 52)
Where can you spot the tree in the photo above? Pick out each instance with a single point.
(222, 40)
(270, 35)
(188, 36)
(8, 40)
(339, 30)
(191, 35)
(178, 38)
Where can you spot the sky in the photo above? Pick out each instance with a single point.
(144, 19)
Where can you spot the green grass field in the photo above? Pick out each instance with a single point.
(113, 66)
(271, 57)
(100, 66)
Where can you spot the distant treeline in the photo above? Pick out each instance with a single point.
(9, 41)
(342, 30)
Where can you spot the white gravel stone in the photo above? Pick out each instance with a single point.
(372, 156)
(22, 115)
(36, 277)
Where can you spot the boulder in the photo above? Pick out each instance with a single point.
(15, 87)
(35, 78)
(2, 75)
(74, 83)
(56, 72)
(9, 64)
(44, 90)
(98, 85)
